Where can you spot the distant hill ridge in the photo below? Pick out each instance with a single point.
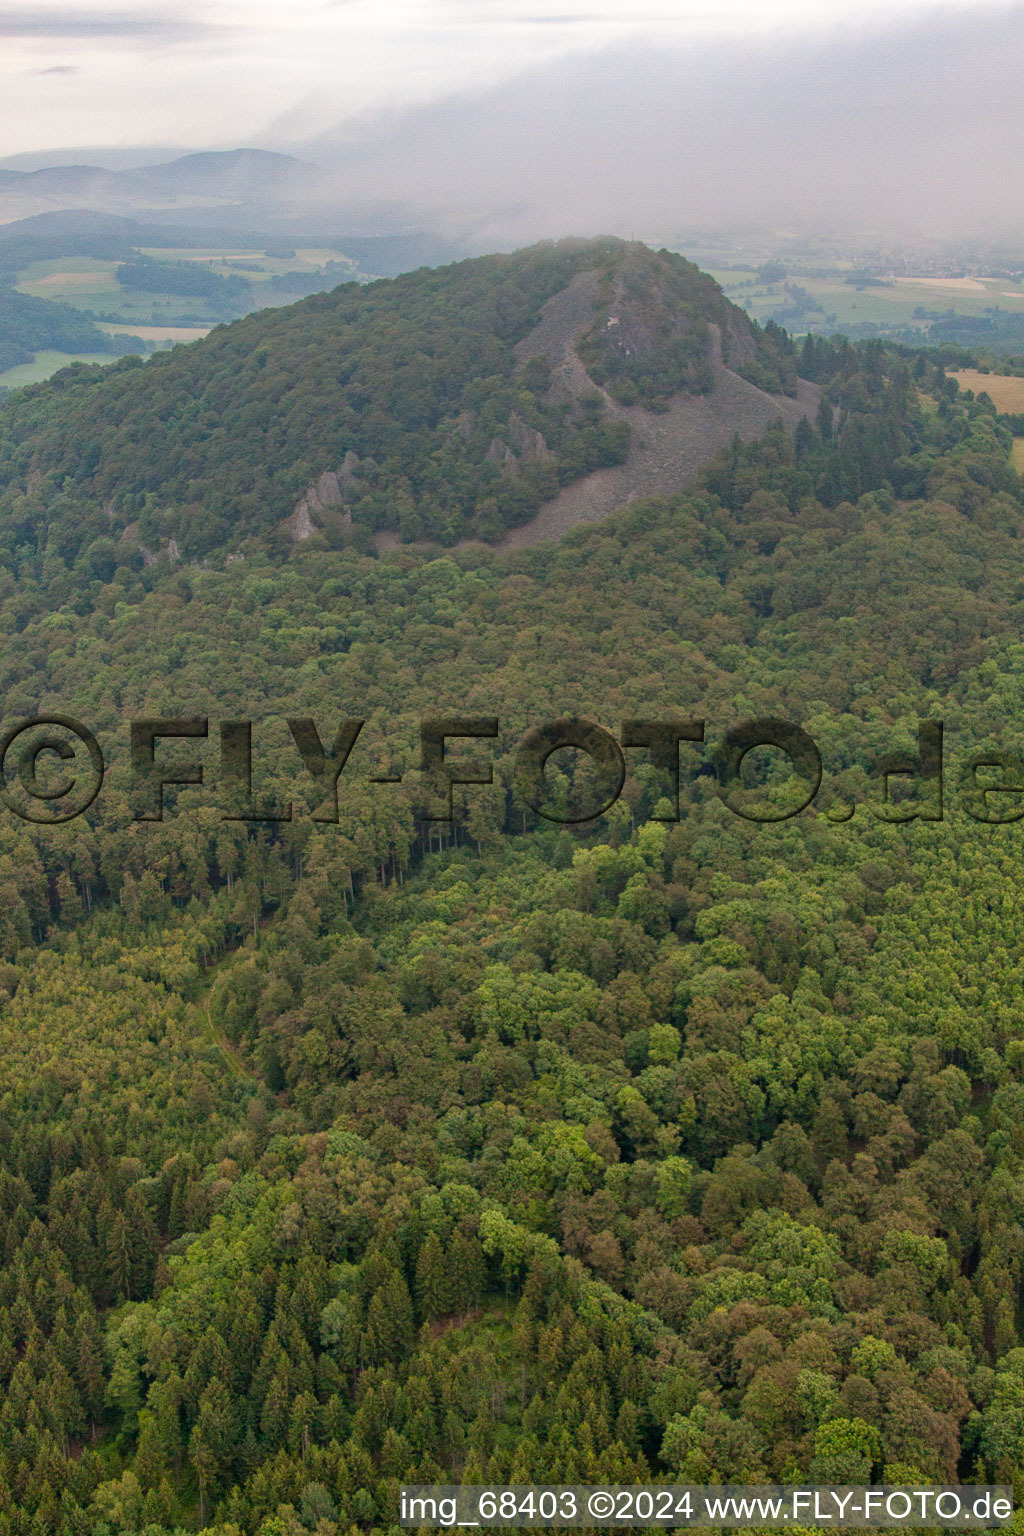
(431, 399)
(245, 189)
(213, 173)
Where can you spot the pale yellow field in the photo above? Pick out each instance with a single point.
(159, 332)
(213, 253)
(318, 255)
(950, 284)
(86, 287)
(1006, 394)
(68, 280)
(1017, 455)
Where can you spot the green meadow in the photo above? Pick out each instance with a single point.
(47, 363)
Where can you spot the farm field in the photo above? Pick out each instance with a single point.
(83, 281)
(91, 284)
(47, 363)
(50, 362)
(1005, 392)
(86, 283)
(838, 304)
(158, 332)
(253, 264)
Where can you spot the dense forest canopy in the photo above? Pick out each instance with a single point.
(334, 1156)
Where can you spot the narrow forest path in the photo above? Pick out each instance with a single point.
(235, 1062)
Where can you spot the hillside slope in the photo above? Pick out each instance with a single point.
(413, 396)
(340, 1157)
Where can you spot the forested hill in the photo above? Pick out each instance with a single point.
(341, 1155)
(415, 397)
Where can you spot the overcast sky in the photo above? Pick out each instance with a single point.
(911, 128)
(519, 119)
(226, 72)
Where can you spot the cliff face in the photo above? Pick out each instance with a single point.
(670, 439)
(669, 448)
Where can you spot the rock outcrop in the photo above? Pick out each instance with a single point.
(335, 488)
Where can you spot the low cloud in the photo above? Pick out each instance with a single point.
(910, 129)
(84, 25)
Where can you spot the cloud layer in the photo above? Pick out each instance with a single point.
(917, 128)
(522, 118)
